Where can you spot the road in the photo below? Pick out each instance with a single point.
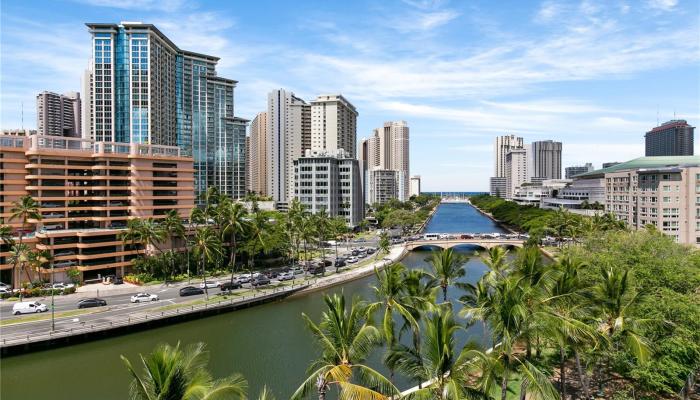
(118, 305)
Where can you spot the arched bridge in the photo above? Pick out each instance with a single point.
(450, 243)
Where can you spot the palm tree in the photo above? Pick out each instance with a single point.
(206, 246)
(614, 299)
(177, 373)
(497, 262)
(259, 227)
(6, 234)
(235, 224)
(293, 224)
(173, 228)
(384, 244)
(308, 235)
(447, 267)
(19, 256)
(338, 228)
(345, 340)
(437, 364)
(391, 298)
(151, 233)
(323, 228)
(24, 209)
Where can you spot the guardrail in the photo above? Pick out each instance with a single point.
(140, 318)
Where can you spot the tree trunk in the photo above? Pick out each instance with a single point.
(504, 386)
(562, 373)
(523, 390)
(233, 256)
(582, 377)
(444, 293)
(204, 278)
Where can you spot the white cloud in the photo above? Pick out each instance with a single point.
(548, 11)
(665, 5)
(144, 5)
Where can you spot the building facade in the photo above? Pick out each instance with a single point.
(672, 138)
(388, 149)
(333, 124)
(415, 186)
(144, 89)
(383, 185)
(258, 158)
(289, 131)
(659, 191)
(329, 181)
(516, 170)
(570, 172)
(544, 159)
(87, 191)
(58, 114)
(497, 186)
(501, 147)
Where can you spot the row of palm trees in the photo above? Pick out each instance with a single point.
(219, 231)
(530, 309)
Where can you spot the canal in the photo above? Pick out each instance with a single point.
(268, 344)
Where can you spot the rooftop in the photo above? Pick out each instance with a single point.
(645, 163)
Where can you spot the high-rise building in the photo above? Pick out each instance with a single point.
(258, 154)
(329, 181)
(147, 90)
(58, 114)
(86, 192)
(388, 149)
(516, 170)
(415, 185)
(229, 163)
(288, 131)
(501, 147)
(333, 124)
(382, 185)
(86, 108)
(544, 159)
(570, 172)
(672, 138)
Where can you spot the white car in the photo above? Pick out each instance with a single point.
(62, 286)
(142, 297)
(5, 286)
(209, 285)
(27, 307)
(285, 276)
(352, 260)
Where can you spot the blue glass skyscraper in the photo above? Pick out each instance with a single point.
(147, 90)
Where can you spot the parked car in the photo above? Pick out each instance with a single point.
(143, 297)
(5, 286)
(190, 291)
(243, 278)
(271, 273)
(317, 270)
(28, 307)
(4, 290)
(64, 253)
(209, 285)
(52, 227)
(51, 205)
(286, 276)
(228, 286)
(339, 263)
(61, 264)
(355, 252)
(91, 302)
(118, 280)
(466, 236)
(352, 260)
(297, 270)
(371, 250)
(260, 281)
(62, 286)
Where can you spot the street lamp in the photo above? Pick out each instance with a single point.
(53, 322)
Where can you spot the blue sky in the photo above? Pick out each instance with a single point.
(592, 74)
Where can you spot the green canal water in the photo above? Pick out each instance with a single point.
(268, 344)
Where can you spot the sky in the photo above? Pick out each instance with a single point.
(595, 75)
